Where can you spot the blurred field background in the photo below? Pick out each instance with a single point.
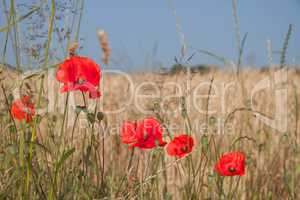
(78, 153)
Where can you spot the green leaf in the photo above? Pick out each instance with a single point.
(221, 59)
(38, 119)
(63, 158)
(80, 109)
(204, 140)
(285, 46)
(156, 143)
(10, 98)
(249, 160)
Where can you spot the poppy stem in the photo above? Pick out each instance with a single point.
(21, 159)
(165, 176)
(84, 100)
(103, 160)
(72, 137)
(233, 192)
(33, 138)
(65, 113)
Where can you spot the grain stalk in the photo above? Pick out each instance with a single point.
(285, 46)
(182, 38)
(45, 64)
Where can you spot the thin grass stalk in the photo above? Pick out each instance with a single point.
(240, 52)
(9, 19)
(72, 136)
(33, 139)
(45, 64)
(103, 157)
(49, 37)
(34, 130)
(234, 192)
(237, 31)
(285, 46)
(79, 21)
(182, 38)
(191, 169)
(294, 174)
(269, 52)
(20, 19)
(72, 54)
(22, 161)
(6, 35)
(16, 36)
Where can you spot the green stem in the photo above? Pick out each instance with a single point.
(50, 30)
(21, 159)
(31, 147)
(33, 138)
(6, 35)
(84, 100)
(15, 33)
(72, 136)
(79, 21)
(34, 129)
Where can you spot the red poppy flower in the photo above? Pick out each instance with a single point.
(149, 134)
(180, 146)
(128, 133)
(79, 73)
(146, 134)
(231, 164)
(23, 109)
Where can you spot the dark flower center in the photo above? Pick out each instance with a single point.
(80, 81)
(25, 108)
(184, 149)
(145, 136)
(231, 169)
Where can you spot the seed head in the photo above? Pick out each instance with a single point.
(72, 49)
(104, 43)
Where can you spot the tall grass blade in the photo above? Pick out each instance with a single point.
(285, 46)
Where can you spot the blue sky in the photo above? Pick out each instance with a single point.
(143, 33)
(136, 27)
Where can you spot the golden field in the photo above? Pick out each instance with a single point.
(256, 112)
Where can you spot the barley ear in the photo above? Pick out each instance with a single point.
(104, 43)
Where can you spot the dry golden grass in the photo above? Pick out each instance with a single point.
(222, 119)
